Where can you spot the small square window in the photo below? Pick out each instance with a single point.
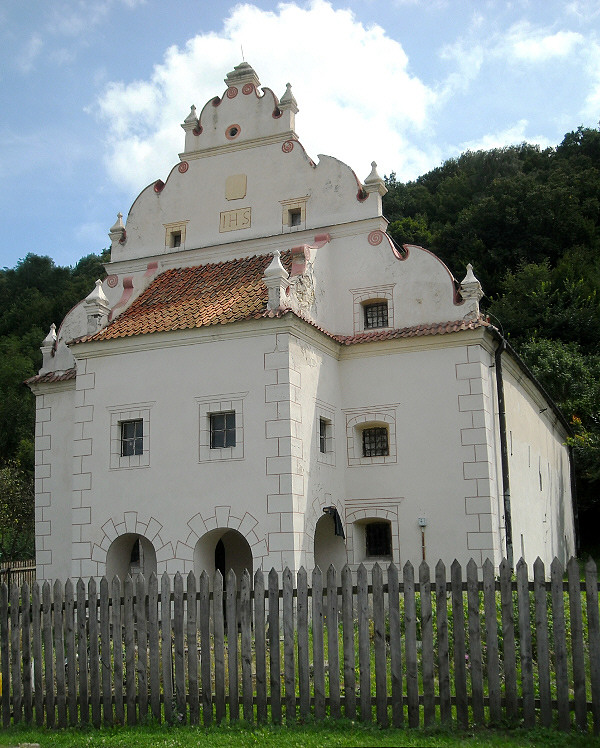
(375, 442)
(176, 239)
(132, 437)
(376, 315)
(222, 430)
(378, 537)
(294, 217)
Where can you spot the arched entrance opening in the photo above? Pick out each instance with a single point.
(223, 549)
(329, 547)
(130, 554)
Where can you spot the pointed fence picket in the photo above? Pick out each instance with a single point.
(474, 648)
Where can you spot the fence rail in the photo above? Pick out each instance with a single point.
(408, 649)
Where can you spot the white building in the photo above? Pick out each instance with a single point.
(262, 365)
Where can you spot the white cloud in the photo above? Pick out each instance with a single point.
(29, 54)
(513, 135)
(357, 100)
(526, 43)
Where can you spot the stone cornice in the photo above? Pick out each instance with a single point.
(280, 137)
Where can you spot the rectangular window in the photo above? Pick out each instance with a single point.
(378, 536)
(176, 239)
(294, 217)
(222, 430)
(324, 427)
(376, 315)
(132, 437)
(375, 442)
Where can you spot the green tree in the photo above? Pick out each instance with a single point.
(17, 526)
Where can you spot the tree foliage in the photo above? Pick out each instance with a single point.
(32, 295)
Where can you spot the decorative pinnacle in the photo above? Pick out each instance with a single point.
(288, 100)
(374, 183)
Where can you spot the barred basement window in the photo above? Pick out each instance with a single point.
(222, 430)
(378, 536)
(376, 315)
(132, 437)
(375, 442)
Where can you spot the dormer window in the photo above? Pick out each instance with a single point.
(376, 314)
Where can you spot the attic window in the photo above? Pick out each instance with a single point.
(294, 217)
(232, 132)
(376, 315)
(175, 234)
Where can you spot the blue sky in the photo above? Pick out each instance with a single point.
(93, 91)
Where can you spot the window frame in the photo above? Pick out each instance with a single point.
(364, 297)
(222, 437)
(325, 413)
(357, 421)
(380, 307)
(133, 444)
(377, 447)
(214, 405)
(120, 414)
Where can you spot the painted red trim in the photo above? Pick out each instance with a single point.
(151, 269)
(159, 186)
(231, 127)
(126, 295)
(231, 92)
(216, 101)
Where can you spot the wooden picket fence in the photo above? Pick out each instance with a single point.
(17, 572)
(400, 651)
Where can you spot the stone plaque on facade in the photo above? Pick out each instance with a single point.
(235, 187)
(234, 220)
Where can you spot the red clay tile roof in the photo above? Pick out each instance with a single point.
(196, 297)
(52, 376)
(227, 292)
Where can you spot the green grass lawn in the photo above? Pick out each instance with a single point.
(342, 733)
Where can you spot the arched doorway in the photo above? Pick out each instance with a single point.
(223, 549)
(329, 547)
(130, 554)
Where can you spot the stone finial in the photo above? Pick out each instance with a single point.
(48, 348)
(117, 231)
(275, 279)
(288, 101)
(97, 308)
(241, 74)
(374, 183)
(471, 293)
(190, 123)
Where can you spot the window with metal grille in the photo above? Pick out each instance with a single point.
(378, 536)
(375, 442)
(132, 437)
(376, 315)
(324, 436)
(222, 430)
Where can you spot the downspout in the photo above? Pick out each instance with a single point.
(574, 500)
(504, 452)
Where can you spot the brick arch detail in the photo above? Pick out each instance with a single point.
(136, 523)
(223, 517)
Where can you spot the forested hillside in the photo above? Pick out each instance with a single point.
(527, 219)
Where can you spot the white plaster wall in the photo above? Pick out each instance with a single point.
(431, 477)
(541, 508)
(53, 479)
